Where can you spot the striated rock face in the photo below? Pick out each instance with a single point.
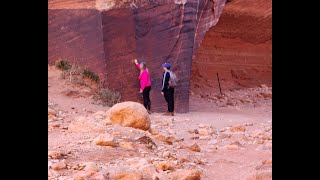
(106, 35)
(239, 48)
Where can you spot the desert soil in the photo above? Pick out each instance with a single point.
(222, 137)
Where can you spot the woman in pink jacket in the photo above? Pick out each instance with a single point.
(145, 84)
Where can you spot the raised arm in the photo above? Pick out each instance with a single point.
(137, 64)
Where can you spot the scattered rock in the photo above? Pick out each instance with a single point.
(194, 147)
(212, 142)
(130, 114)
(238, 128)
(232, 147)
(248, 124)
(84, 175)
(204, 138)
(59, 166)
(126, 176)
(154, 177)
(256, 133)
(52, 173)
(51, 112)
(169, 139)
(267, 94)
(166, 165)
(126, 145)
(182, 174)
(153, 132)
(104, 140)
(203, 132)
(224, 135)
(166, 154)
(51, 116)
(49, 164)
(264, 86)
(55, 155)
(267, 161)
(258, 141)
(55, 124)
(91, 166)
(147, 141)
(238, 136)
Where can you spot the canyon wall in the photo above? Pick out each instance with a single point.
(105, 36)
(238, 48)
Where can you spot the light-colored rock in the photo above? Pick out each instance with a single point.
(204, 138)
(91, 166)
(264, 86)
(169, 139)
(55, 155)
(203, 131)
(155, 177)
(51, 112)
(153, 132)
(84, 175)
(224, 135)
(126, 176)
(238, 128)
(49, 164)
(130, 114)
(195, 147)
(166, 154)
(238, 136)
(86, 124)
(256, 133)
(126, 145)
(258, 141)
(59, 166)
(232, 147)
(104, 140)
(166, 165)
(182, 174)
(52, 173)
(51, 116)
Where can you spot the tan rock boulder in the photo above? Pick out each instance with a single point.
(130, 114)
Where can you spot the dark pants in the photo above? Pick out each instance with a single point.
(168, 95)
(146, 97)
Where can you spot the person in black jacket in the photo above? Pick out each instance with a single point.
(167, 91)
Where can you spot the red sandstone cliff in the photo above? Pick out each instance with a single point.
(106, 35)
(239, 48)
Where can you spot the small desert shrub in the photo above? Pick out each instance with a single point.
(63, 65)
(91, 75)
(108, 97)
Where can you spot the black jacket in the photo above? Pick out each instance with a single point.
(165, 81)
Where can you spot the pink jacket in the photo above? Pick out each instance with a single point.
(144, 78)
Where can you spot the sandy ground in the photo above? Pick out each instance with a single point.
(218, 158)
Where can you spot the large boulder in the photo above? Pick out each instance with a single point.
(130, 114)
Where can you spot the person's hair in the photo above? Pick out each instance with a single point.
(143, 65)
